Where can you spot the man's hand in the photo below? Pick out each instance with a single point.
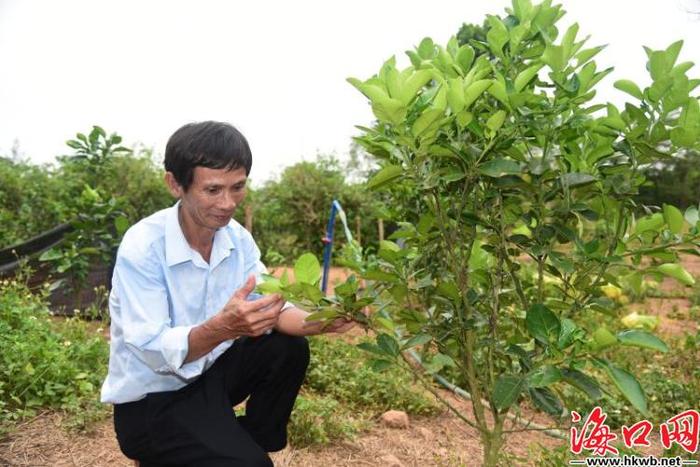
(241, 317)
(339, 326)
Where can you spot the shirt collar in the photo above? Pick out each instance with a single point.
(178, 250)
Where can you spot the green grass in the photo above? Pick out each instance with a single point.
(342, 395)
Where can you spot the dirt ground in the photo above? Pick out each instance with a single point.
(440, 440)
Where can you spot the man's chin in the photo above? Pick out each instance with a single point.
(221, 221)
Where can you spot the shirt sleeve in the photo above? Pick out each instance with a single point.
(145, 318)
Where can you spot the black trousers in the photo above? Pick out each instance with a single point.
(196, 426)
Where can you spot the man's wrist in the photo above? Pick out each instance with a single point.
(215, 328)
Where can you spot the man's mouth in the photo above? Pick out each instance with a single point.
(222, 218)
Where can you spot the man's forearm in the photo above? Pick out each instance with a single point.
(203, 338)
(292, 322)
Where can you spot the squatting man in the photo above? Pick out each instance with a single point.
(188, 341)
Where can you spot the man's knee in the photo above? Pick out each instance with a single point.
(295, 349)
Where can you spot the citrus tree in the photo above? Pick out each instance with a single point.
(519, 195)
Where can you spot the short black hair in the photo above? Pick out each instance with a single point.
(215, 145)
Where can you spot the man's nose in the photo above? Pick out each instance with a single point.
(228, 202)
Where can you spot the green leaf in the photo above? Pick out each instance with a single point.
(121, 224)
(628, 385)
(547, 401)
(388, 344)
(437, 362)
(385, 323)
(51, 255)
(526, 76)
(373, 92)
(653, 222)
(475, 90)
(542, 323)
(554, 57)
(658, 64)
(507, 390)
(497, 36)
(455, 95)
(543, 376)
(465, 58)
(380, 364)
(676, 271)
(499, 167)
(566, 335)
(674, 218)
(385, 176)
(496, 120)
(418, 339)
(574, 179)
(270, 285)
(582, 382)
(379, 275)
(630, 88)
(692, 215)
(323, 315)
(426, 48)
(307, 269)
(413, 84)
(643, 339)
(672, 51)
(603, 338)
(370, 347)
(425, 120)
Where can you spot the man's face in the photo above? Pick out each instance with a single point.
(212, 197)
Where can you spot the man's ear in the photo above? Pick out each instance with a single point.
(174, 187)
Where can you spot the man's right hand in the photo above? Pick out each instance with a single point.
(241, 317)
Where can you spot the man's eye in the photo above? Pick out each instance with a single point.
(213, 191)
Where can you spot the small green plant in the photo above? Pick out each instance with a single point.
(320, 420)
(340, 370)
(99, 308)
(98, 228)
(96, 148)
(46, 363)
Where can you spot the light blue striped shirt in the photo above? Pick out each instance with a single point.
(162, 288)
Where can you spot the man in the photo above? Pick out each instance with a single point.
(187, 341)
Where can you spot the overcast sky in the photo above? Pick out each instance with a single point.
(274, 69)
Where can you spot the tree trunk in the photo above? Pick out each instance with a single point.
(380, 226)
(493, 443)
(249, 218)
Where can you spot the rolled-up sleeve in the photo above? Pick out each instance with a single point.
(140, 286)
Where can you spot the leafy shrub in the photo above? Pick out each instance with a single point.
(46, 364)
(290, 214)
(29, 201)
(339, 370)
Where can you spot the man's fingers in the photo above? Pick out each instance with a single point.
(264, 302)
(246, 288)
(271, 313)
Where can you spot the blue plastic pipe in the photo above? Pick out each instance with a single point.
(328, 241)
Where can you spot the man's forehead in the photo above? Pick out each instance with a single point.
(208, 176)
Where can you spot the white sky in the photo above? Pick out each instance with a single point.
(274, 69)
